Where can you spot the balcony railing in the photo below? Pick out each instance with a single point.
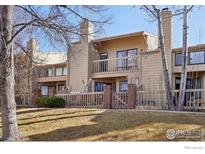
(115, 64)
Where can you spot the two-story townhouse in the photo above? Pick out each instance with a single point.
(39, 73)
(118, 60)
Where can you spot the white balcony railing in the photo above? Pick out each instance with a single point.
(115, 64)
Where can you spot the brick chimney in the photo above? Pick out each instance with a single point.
(166, 15)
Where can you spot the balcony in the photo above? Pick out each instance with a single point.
(51, 79)
(115, 66)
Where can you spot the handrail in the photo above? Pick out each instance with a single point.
(116, 64)
(116, 58)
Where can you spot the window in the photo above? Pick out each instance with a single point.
(194, 58)
(60, 71)
(103, 55)
(197, 57)
(131, 61)
(44, 90)
(194, 83)
(178, 59)
(121, 63)
(65, 71)
(103, 64)
(61, 87)
(123, 85)
(45, 72)
(99, 86)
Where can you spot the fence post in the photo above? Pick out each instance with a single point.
(36, 93)
(107, 97)
(131, 100)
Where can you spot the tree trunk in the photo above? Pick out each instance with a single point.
(8, 105)
(184, 61)
(168, 91)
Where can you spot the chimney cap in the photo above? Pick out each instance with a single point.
(165, 9)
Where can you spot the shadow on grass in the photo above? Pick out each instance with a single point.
(52, 119)
(31, 110)
(57, 114)
(114, 120)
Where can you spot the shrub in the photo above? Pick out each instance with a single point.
(50, 102)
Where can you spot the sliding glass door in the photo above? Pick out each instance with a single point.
(124, 62)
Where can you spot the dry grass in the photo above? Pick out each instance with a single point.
(103, 125)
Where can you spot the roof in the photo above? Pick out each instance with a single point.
(194, 47)
(50, 57)
(123, 36)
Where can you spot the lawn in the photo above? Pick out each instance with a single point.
(103, 125)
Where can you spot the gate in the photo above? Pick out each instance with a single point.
(119, 100)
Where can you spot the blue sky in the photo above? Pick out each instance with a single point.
(126, 19)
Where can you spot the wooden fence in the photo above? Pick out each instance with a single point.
(144, 100)
(194, 99)
(151, 100)
(119, 100)
(84, 100)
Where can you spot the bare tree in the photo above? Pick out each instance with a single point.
(8, 106)
(182, 90)
(58, 24)
(155, 14)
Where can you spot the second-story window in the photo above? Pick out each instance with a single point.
(45, 72)
(61, 71)
(194, 58)
(178, 59)
(197, 57)
(129, 61)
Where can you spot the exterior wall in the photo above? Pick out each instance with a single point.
(152, 42)
(80, 60)
(93, 55)
(122, 44)
(151, 71)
